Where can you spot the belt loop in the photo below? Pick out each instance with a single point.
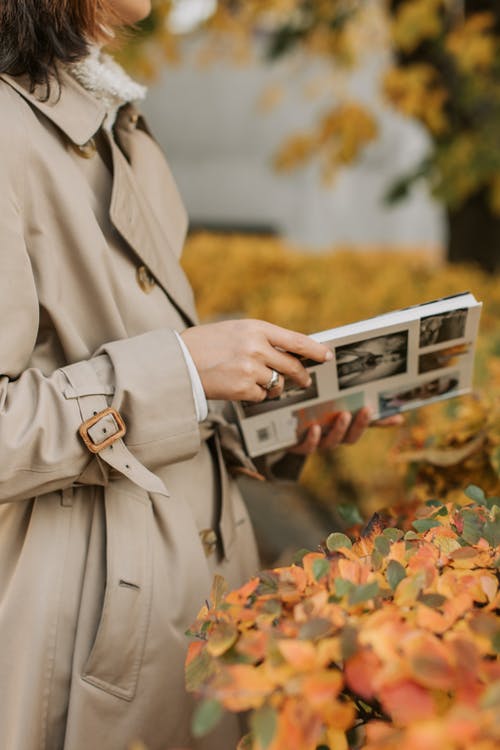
(67, 497)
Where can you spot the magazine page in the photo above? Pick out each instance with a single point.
(392, 363)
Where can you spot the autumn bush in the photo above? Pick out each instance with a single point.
(439, 65)
(443, 447)
(385, 642)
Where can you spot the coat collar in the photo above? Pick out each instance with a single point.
(70, 107)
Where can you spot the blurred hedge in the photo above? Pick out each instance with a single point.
(442, 447)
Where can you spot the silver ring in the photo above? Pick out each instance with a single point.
(273, 382)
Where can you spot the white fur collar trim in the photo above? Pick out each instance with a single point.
(103, 77)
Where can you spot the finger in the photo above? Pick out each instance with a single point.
(263, 378)
(297, 343)
(288, 365)
(337, 432)
(310, 443)
(358, 426)
(278, 388)
(395, 421)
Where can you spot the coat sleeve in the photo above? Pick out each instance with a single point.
(145, 378)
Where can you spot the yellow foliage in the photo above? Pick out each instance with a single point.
(415, 90)
(455, 170)
(446, 57)
(473, 44)
(337, 140)
(415, 22)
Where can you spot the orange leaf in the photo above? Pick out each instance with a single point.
(406, 702)
(431, 619)
(300, 654)
(298, 727)
(194, 649)
(221, 637)
(340, 715)
(430, 662)
(241, 687)
(321, 688)
(240, 596)
(409, 588)
(361, 671)
(337, 739)
(253, 645)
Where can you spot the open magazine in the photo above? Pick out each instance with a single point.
(391, 363)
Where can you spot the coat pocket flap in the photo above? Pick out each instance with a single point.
(115, 659)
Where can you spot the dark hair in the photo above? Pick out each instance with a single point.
(36, 35)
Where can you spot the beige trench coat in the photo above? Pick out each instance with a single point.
(101, 563)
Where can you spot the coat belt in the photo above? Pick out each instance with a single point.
(102, 428)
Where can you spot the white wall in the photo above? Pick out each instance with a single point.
(220, 148)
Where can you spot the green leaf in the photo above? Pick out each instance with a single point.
(393, 535)
(491, 697)
(198, 671)
(472, 530)
(395, 573)
(363, 592)
(320, 568)
(432, 600)
(491, 532)
(207, 715)
(343, 587)
(434, 503)
(443, 511)
(263, 723)
(268, 583)
(299, 556)
(410, 536)
(337, 540)
(475, 493)
(495, 642)
(377, 560)
(401, 187)
(350, 514)
(348, 642)
(382, 545)
(312, 630)
(246, 742)
(424, 524)
(272, 607)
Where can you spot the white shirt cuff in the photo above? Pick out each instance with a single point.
(200, 400)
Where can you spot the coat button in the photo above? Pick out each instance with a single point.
(209, 540)
(145, 279)
(87, 150)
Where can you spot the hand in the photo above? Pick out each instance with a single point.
(345, 429)
(235, 358)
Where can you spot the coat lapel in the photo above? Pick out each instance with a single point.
(79, 116)
(134, 220)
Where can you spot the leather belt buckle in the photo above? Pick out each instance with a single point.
(111, 421)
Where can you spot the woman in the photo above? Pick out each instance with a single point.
(109, 539)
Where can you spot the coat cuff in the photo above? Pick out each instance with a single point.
(154, 395)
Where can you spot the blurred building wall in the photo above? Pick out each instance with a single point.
(220, 145)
